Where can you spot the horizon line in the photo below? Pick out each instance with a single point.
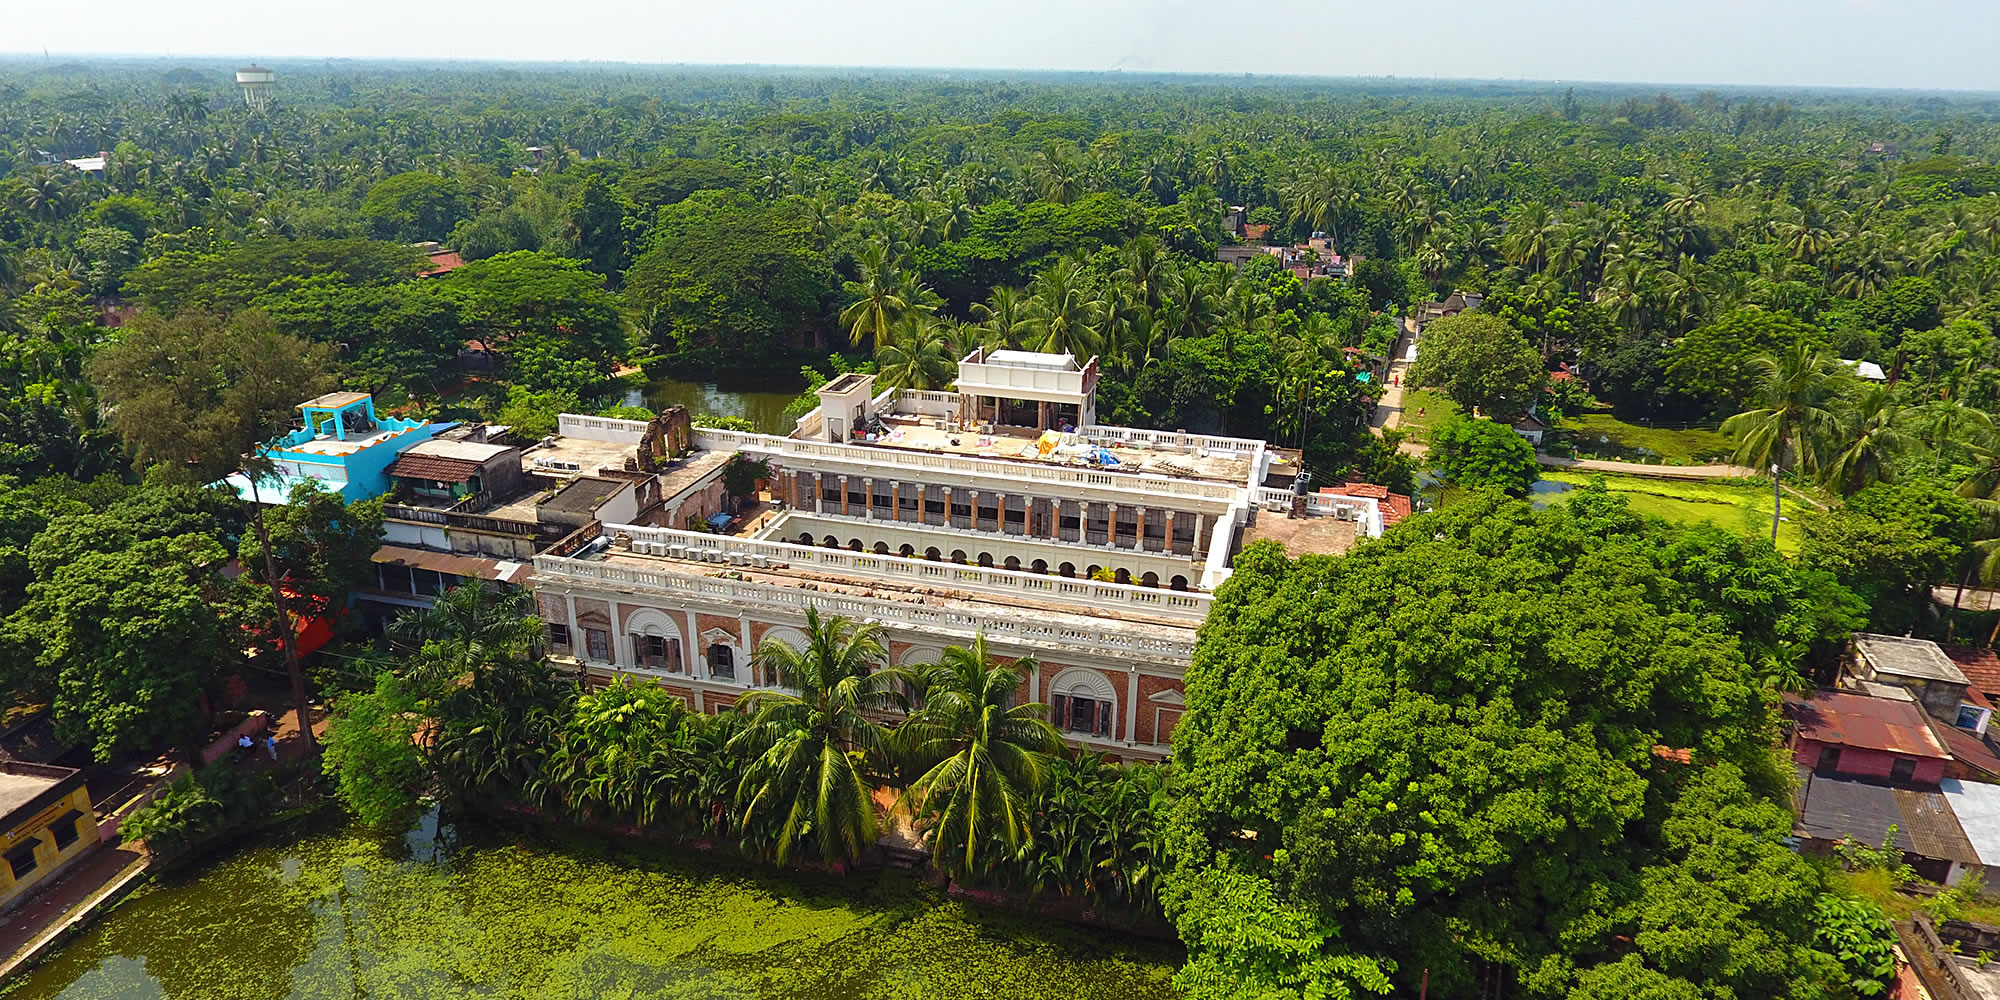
(8, 55)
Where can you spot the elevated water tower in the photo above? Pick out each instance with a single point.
(257, 83)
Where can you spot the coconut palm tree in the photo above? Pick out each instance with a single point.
(1871, 441)
(879, 297)
(806, 783)
(921, 357)
(1002, 318)
(1063, 311)
(1800, 390)
(983, 756)
(468, 630)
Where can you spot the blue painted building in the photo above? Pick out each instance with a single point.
(343, 446)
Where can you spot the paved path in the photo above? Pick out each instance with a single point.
(1389, 409)
(1654, 471)
(67, 900)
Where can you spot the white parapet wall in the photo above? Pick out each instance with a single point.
(610, 429)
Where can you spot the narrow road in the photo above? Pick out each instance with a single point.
(1654, 471)
(1389, 409)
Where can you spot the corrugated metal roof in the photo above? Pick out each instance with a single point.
(1925, 822)
(1830, 809)
(1977, 807)
(1933, 827)
(1857, 720)
(1980, 666)
(1968, 748)
(502, 570)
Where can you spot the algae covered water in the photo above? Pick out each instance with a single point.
(341, 914)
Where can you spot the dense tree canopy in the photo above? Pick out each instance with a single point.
(1482, 363)
(1449, 751)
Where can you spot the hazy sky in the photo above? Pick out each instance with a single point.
(1877, 43)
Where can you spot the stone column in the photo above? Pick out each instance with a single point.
(948, 499)
(843, 495)
(1111, 525)
(972, 509)
(819, 492)
(1170, 532)
(868, 504)
(1200, 520)
(1139, 531)
(895, 500)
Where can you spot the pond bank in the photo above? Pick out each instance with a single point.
(328, 911)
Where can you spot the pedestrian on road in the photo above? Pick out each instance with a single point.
(271, 746)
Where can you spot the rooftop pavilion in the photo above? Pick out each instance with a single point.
(342, 445)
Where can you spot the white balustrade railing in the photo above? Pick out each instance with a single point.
(1107, 638)
(809, 425)
(1105, 434)
(884, 457)
(590, 428)
(677, 543)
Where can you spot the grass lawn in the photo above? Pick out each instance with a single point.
(1436, 410)
(1630, 442)
(1739, 505)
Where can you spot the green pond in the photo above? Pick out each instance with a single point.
(759, 397)
(338, 913)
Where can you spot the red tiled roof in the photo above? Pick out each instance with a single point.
(1857, 720)
(1369, 490)
(433, 468)
(1980, 666)
(442, 262)
(1395, 508)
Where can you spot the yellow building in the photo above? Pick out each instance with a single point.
(47, 823)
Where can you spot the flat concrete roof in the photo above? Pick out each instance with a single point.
(17, 790)
(822, 579)
(1906, 657)
(468, 451)
(1302, 536)
(1034, 359)
(334, 400)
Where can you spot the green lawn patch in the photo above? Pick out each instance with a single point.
(1423, 410)
(1601, 435)
(1739, 505)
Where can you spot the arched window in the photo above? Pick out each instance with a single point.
(1040, 566)
(854, 544)
(1122, 576)
(1179, 582)
(986, 559)
(1066, 570)
(1151, 579)
(830, 542)
(881, 548)
(907, 550)
(805, 538)
(1083, 701)
(958, 556)
(932, 554)
(1013, 562)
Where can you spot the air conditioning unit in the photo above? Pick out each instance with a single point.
(1344, 511)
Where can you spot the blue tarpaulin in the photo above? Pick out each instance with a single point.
(719, 521)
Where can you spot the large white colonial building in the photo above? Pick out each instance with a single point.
(1001, 509)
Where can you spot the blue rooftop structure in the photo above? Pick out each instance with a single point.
(343, 446)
